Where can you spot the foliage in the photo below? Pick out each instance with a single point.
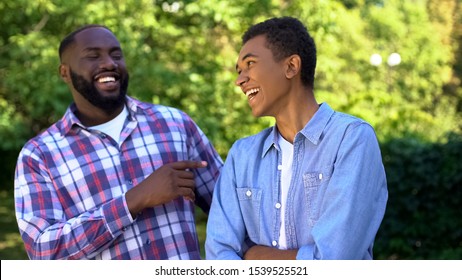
(182, 53)
(422, 220)
(403, 100)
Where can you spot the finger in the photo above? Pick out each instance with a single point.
(186, 183)
(183, 174)
(185, 164)
(187, 193)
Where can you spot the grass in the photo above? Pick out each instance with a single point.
(12, 247)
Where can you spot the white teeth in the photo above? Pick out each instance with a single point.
(251, 91)
(106, 79)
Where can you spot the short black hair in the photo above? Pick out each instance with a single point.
(69, 39)
(286, 36)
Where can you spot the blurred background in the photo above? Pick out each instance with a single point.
(396, 64)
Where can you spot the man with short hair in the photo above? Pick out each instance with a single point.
(311, 187)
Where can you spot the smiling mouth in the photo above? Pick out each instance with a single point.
(107, 81)
(252, 92)
(107, 77)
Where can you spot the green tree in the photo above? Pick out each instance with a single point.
(182, 53)
(404, 100)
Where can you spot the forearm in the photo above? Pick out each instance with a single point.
(259, 252)
(80, 237)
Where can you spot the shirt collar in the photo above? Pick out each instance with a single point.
(312, 130)
(270, 141)
(70, 120)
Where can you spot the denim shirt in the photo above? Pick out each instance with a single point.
(336, 200)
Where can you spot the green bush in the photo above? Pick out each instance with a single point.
(423, 217)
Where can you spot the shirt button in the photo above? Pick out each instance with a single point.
(274, 243)
(248, 193)
(280, 167)
(278, 205)
(320, 176)
(130, 182)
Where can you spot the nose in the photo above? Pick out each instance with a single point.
(107, 62)
(241, 79)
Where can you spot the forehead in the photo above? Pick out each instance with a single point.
(95, 38)
(256, 43)
(255, 47)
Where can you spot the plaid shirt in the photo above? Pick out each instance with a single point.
(70, 184)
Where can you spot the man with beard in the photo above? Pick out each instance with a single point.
(115, 178)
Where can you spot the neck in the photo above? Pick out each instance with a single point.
(297, 114)
(92, 116)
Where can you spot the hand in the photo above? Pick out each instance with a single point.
(167, 183)
(259, 252)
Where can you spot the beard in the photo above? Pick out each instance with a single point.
(88, 90)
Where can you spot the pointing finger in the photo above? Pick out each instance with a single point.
(183, 165)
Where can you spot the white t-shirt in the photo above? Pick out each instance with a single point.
(113, 127)
(287, 151)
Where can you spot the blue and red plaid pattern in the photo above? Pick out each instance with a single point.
(70, 183)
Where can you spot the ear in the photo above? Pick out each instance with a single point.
(64, 73)
(293, 65)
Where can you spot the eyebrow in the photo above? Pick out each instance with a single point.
(89, 49)
(245, 57)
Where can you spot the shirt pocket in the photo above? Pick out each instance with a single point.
(250, 203)
(315, 183)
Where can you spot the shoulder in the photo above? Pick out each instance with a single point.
(351, 129)
(160, 115)
(349, 122)
(156, 110)
(346, 119)
(39, 143)
(170, 112)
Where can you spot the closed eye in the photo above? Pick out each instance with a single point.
(92, 55)
(117, 55)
